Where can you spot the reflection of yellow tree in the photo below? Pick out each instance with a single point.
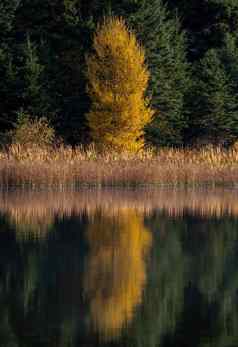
(116, 272)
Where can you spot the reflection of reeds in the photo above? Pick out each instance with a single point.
(30, 223)
(37, 210)
(66, 166)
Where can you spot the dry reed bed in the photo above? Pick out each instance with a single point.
(67, 166)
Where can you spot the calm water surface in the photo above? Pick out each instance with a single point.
(119, 268)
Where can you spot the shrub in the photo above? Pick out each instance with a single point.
(30, 131)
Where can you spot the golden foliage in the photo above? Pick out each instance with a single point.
(116, 271)
(118, 79)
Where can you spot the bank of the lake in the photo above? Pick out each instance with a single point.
(67, 166)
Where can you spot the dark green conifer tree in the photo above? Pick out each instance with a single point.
(8, 100)
(165, 45)
(206, 22)
(7, 15)
(214, 116)
(34, 92)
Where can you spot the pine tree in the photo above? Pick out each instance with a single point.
(72, 11)
(165, 47)
(207, 22)
(34, 94)
(7, 15)
(229, 56)
(214, 114)
(7, 98)
(117, 82)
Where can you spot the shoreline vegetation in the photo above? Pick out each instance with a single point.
(65, 166)
(122, 75)
(122, 120)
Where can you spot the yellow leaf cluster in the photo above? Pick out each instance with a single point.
(118, 79)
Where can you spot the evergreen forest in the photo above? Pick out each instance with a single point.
(191, 51)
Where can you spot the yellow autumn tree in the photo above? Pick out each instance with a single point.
(117, 81)
(116, 269)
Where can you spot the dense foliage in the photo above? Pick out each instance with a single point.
(118, 80)
(191, 51)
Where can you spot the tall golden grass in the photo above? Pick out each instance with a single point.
(67, 166)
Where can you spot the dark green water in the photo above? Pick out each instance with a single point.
(119, 268)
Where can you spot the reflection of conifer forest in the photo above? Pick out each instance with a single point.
(118, 279)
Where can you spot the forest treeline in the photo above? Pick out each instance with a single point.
(191, 50)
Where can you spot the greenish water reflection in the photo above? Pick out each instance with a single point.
(119, 268)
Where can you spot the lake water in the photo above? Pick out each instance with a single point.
(126, 268)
